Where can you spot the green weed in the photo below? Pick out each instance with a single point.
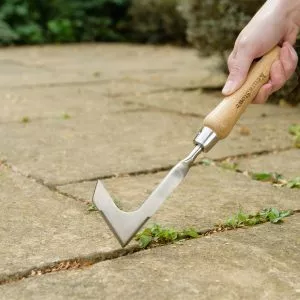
(66, 116)
(297, 141)
(277, 179)
(272, 177)
(92, 207)
(294, 183)
(206, 162)
(294, 130)
(156, 234)
(117, 202)
(96, 74)
(162, 235)
(242, 219)
(25, 120)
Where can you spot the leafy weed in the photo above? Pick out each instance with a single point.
(272, 177)
(156, 234)
(242, 219)
(294, 183)
(92, 207)
(294, 129)
(163, 235)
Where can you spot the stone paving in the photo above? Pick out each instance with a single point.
(125, 114)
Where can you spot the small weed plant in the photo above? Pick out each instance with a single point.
(157, 234)
(66, 116)
(242, 219)
(92, 207)
(25, 120)
(277, 179)
(294, 130)
(267, 177)
(163, 235)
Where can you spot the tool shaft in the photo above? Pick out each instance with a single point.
(193, 155)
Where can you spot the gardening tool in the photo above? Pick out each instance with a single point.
(217, 126)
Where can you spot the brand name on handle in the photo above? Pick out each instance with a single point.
(260, 78)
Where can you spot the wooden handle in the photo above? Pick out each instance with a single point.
(222, 119)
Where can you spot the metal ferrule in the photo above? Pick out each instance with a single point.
(206, 138)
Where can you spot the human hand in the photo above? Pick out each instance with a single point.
(277, 22)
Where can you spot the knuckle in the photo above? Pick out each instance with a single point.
(288, 69)
(243, 43)
(235, 68)
(278, 85)
(294, 55)
(296, 59)
(230, 59)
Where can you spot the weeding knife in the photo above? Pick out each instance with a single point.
(216, 126)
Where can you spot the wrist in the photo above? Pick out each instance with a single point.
(291, 10)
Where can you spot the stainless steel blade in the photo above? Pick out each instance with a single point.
(126, 224)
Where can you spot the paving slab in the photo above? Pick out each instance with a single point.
(38, 226)
(54, 102)
(262, 134)
(207, 76)
(207, 196)
(62, 151)
(98, 62)
(201, 103)
(257, 263)
(286, 163)
(122, 87)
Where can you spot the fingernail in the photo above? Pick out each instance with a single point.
(229, 87)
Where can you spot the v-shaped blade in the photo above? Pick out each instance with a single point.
(126, 224)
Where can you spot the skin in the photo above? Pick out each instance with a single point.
(276, 23)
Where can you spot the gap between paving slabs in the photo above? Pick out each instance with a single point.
(202, 161)
(59, 188)
(70, 112)
(89, 260)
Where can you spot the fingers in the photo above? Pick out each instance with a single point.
(263, 94)
(239, 63)
(281, 71)
(291, 35)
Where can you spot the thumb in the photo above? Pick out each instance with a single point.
(239, 63)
